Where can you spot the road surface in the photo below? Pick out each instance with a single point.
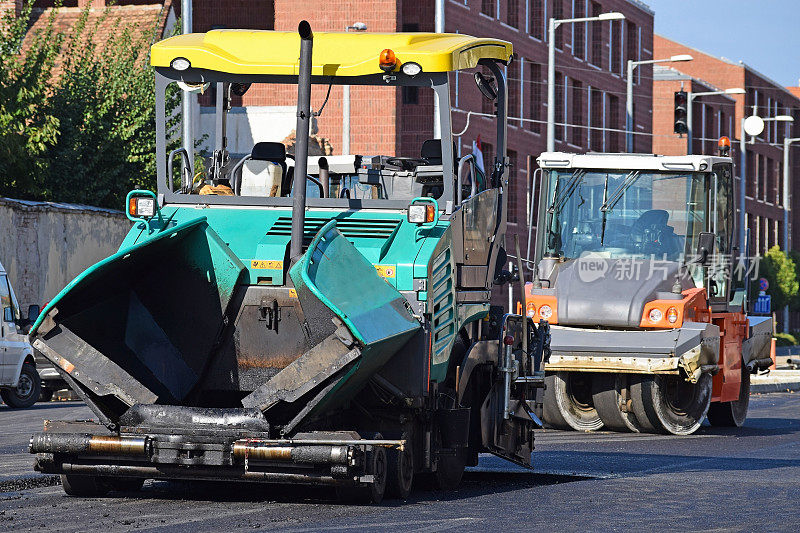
(740, 480)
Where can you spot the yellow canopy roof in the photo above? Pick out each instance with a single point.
(335, 54)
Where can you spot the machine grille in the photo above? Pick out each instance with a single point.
(443, 310)
(352, 228)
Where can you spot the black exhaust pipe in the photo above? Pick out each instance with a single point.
(301, 139)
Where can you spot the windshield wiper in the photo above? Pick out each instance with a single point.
(612, 200)
(561, 199)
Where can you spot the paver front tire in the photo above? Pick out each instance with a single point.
(27, 391)
(124, 484)
(371, 493)
(400, 471)
(674, 405)
(732, 414)
(568, 402)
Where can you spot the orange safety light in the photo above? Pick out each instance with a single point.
(724, 145)
(387, 60)
(430, 213)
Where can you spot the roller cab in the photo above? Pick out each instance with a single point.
(636, 268)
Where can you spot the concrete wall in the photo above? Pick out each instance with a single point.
(43, 245)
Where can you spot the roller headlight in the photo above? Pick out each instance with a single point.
(655, 315)
(545, 312)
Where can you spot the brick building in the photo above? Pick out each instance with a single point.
(764, 158)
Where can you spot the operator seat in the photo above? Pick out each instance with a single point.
(432, 151)
(264, 171)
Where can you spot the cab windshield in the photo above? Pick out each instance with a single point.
(619, 214)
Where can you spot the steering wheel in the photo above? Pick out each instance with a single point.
(407, 163)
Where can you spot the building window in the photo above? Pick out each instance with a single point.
(536, 19)
(489, 7)
(558, 13)
(708, 130)
(559, 131)
(614, 48)
(771, 189)
(513, 186)
(597, 37)
(751, 174)
(631, 44)
(597, 120)
(487, 106)
(513, 89)
(488, 157)
(410, 95)
(577, 112)
(613, 124)
(579, 30)
(536, 88)
(512, 13)
(639, 55)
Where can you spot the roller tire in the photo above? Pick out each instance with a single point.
(732, 414)
(608, 401)
(568, 402)
(674, 406)
(84, 486)
(637, 405)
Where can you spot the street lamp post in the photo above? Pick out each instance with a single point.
(358, 26)
(753, 126)
(629, 92)
(551, 68)
(690, 96)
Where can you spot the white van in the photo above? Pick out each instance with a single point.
(20, 385)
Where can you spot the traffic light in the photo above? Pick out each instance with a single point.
(681, 103)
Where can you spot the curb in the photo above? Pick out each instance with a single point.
(788, 386)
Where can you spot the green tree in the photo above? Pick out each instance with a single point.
(781, 273)
(27, 126)
(83, 132)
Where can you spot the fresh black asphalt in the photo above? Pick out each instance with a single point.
(745, 479)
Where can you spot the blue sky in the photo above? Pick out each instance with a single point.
(765, 34)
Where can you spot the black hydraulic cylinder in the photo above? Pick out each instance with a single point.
(301, 139)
